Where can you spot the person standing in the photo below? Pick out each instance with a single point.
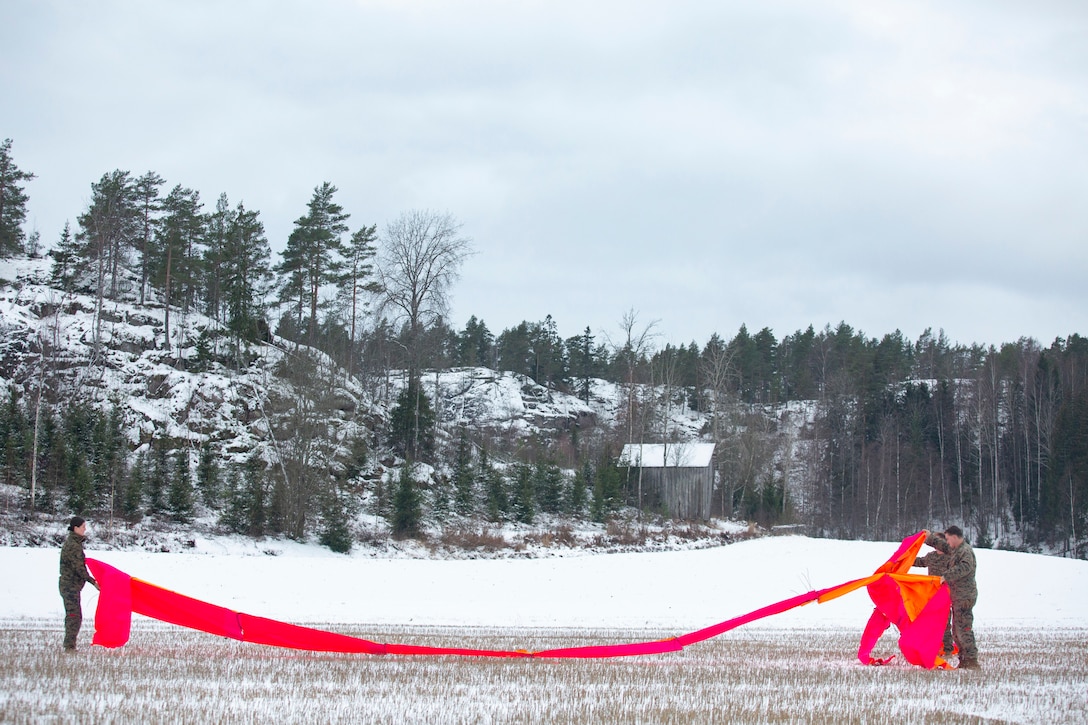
(960, 577)
(73, 575)
(936, 563)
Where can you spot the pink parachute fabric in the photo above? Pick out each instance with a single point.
(920, 635)
(917, 605)
(122, 595)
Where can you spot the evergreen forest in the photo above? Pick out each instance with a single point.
(845, 434)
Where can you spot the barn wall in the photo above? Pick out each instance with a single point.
(685, 493)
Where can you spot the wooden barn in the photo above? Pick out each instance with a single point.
(677, 478)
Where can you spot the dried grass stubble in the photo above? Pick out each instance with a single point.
(168, 674)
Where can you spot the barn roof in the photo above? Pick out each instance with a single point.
(671, 455)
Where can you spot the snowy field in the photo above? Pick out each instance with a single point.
(1031, 624)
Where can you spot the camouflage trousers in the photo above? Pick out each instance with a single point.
(963, 622)
(73, 616)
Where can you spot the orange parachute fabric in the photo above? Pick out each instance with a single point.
(122, 595)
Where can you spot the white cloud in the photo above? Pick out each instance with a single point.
(777, 164)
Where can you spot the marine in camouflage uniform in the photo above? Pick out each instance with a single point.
(960, 577)
(73, 575)
(936, 563)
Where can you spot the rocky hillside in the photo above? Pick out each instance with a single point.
(257, 400)
(200, 388)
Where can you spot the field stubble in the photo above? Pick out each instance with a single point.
(167, 674)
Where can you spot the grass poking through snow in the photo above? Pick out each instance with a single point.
(748, 676)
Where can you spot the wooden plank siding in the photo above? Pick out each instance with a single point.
(674, 487)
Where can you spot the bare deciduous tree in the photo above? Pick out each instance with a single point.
(419, 259)
(634, 347)
(720, 374)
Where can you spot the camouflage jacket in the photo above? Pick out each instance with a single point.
(938, 542)
(936, 562)
(73, 564)
(961, 573)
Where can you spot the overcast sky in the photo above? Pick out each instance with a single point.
(896, 165)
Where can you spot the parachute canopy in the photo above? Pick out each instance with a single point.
(915, 604)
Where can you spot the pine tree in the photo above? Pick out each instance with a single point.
(55, 455)
(497, 502)
(181, 488)
(108, 456)
(1064, 492)
(357, 461)
(213, 266)
(580, 486)
(107, 230)
(235, 513)
(13, 201)
(180, 236)
(548, 484)
(49, 472)
(598, 506)
(583, 367)
(291, 280)
(606, 490)
(336, 534)
(312, 258)
(246, 274)
(513, 349)
(524, 504)
(13, 441)
(34, 245)
(407, 509)
(358, 278)
(475, 344)
(80, 489)
(549, 366)
(411, 424)
(158, 473)
(440, 498)
(68, 260)
(132, 499)
(204, 357)
(79, 434)
(148, 205)
(255, 497)
(498, 499)
(207, 476)
(276, 509)
(463, 478)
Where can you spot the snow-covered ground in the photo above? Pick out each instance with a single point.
(1031, 624)
(676, 590)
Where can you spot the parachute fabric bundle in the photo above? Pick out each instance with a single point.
(911, 602)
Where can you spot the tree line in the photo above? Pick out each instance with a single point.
(902, 433)
(898, 434)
